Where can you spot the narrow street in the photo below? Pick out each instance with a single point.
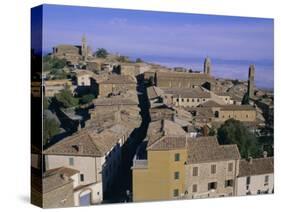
(123, 182)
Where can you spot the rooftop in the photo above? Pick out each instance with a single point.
(118, 100)
(237, 107)
(153, 92)
(55, 179)
(207, 149)
(86, 142)
(118, 79)
(256, 167)
(189, 75)
(187, 93)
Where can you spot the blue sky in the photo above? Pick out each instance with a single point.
(172, 39)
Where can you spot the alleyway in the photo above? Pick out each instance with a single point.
(124, 180)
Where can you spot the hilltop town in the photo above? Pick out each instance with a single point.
(117, 130)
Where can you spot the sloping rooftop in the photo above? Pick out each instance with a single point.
(118, 79)
(168, 143)
(187, 93)
(153, 92)
(114, 101)
(188, 75)
(54, 181)
(207, 149)
(237, 107)
(61, 170)
(83, 72)
(158, 129)
(86, 142)
(57, 82)
(256, 167)
(210, 103)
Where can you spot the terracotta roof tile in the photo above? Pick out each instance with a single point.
(207, 149)
(257, 167)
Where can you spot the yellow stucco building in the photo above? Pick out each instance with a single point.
(161, 175)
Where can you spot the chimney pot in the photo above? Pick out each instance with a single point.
(250, 160)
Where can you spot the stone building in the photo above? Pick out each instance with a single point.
(215, 112)
(53, 87)
(161, 112)
(184, 80)
(116, 84)
(117, 109)
(58, 189)
(158, 168)
(83, 77)
(256, 176)
(211, 169)
(191, 97)
(95, 154)
(173, 79)
(244, 113)
(178, 167)
(73, 53)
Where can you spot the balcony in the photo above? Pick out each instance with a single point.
(139, 164)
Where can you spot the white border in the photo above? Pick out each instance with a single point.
(15, 95)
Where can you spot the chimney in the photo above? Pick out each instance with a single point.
(250, 160)
(205, 130)
(265, 154)
(80, 148)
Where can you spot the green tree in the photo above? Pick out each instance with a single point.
(234, 132)
(50, 128)
(101, 53)
(212, 131)
(66, 99)
(87, 98)
(139, 60)
(50, 63)
(59, 74)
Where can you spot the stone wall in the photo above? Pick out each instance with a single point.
(205, 177)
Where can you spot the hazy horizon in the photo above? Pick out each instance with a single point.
(171, 39)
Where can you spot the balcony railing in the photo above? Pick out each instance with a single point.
(139, 164)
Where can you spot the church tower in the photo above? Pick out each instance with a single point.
(207, 66)
(251, 82)
(84, 47)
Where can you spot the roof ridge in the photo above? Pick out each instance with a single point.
(94, 143)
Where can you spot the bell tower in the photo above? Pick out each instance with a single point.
(84, 47)
(207, 66)
(251, 82)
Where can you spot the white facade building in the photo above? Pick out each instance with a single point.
(255, 176)
(97, 157)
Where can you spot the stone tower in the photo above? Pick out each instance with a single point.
(251, 82)
(84, 48)
(207, 66)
